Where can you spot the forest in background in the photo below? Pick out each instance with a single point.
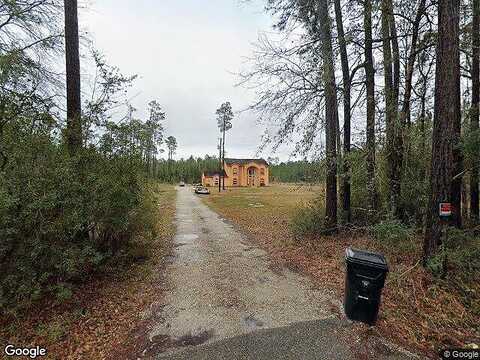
(190, 170)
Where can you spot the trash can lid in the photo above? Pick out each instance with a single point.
(366, 258)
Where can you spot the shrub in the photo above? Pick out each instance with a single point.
(394, 235)
(358, 187)
(415, 184)
(143, 225)
(391, 232)
(308, 219)
(457, 256)
(361, 216)
(62, 218)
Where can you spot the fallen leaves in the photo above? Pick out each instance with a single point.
(103, 319)
(417, 312)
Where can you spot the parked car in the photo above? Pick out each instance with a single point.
(202, 190)
(182, 184)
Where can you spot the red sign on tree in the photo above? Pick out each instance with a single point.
(445, 209)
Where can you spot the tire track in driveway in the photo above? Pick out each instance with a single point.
(219, 284)
(226, 300)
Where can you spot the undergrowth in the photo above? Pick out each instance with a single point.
(308, 219)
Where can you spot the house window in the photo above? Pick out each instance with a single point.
(262, 182)
(216, 180)
(262, 171)
(235, 171)
(235, 182)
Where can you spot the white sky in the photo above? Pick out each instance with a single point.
(184, 52)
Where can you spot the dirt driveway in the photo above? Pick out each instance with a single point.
(220, 286)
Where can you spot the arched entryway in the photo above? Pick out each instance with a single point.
(252, 173)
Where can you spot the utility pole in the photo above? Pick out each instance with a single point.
(223, 154)
(220, 166)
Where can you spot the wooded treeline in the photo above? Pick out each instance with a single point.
(404, 95)
(297, 172)
(74, 189)
(189, 170)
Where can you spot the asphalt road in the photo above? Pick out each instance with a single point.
(225, 300)
(315, 340)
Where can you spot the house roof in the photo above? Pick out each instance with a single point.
(246, 161)
(214, 173)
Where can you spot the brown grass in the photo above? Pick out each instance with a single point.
(100, 318)
(418, 312)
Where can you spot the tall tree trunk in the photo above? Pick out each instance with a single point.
(399, 127)
(395, 127)
(390, 112)
(446, 116)
(405, 116)
(425, 76)
(474, 176)
(220, 166)
(74, 102)
(331, 115)
(395, 51)
(370, 85)
(147, 162)
(223, 157)
(346, 187)
(423, 145)
(457, 182)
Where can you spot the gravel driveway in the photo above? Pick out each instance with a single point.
(220, 286)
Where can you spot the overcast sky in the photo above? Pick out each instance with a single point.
(184, 52)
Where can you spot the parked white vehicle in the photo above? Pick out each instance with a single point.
(202, 190)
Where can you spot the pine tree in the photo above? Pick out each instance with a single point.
(74, 102)
(446, 116)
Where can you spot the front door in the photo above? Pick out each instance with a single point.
(251, 176)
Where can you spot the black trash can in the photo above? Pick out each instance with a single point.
(364, 280)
